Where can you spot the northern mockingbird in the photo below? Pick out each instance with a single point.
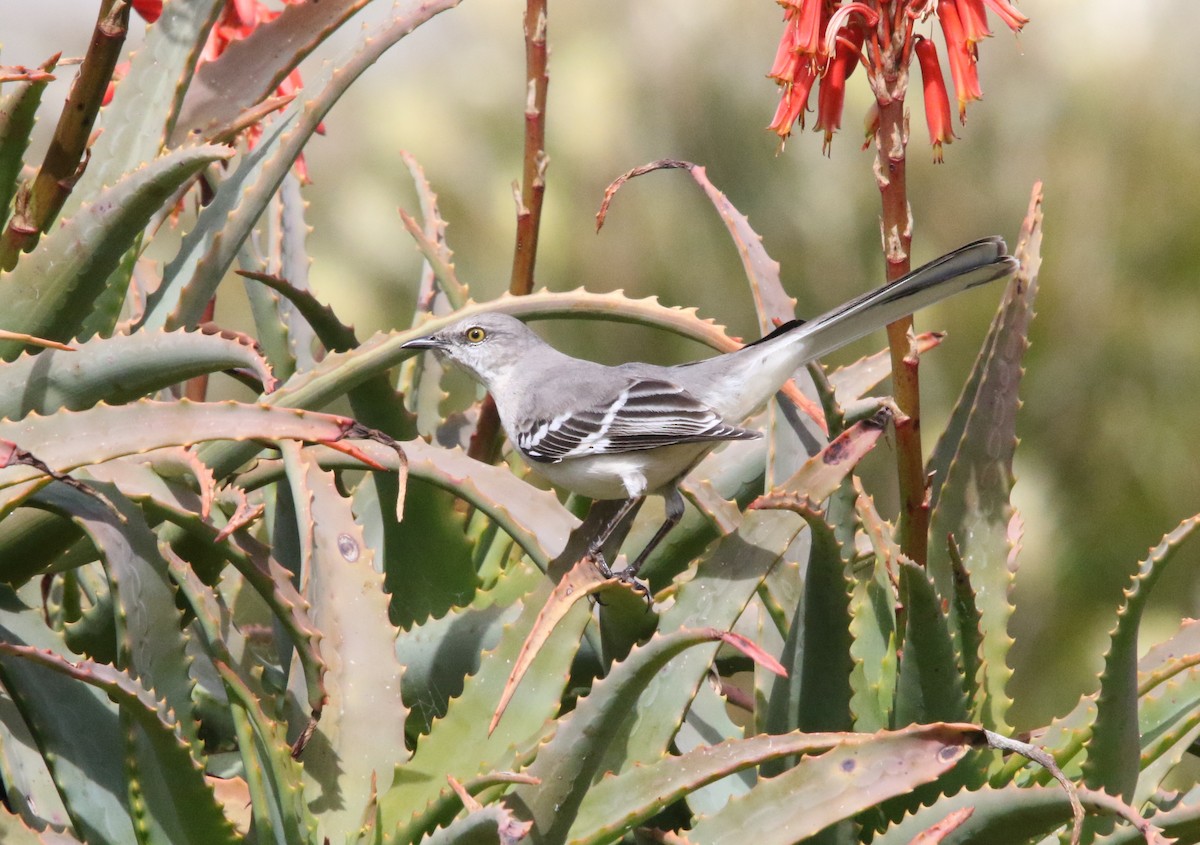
(635, 430)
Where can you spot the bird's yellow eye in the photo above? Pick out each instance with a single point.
(476, 334)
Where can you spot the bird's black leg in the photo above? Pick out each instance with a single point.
(674, 509)
(596, 546)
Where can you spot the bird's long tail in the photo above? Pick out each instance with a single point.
(974, 264)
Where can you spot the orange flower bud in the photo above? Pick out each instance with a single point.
(937, 101)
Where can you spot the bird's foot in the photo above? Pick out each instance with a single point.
(628, 577)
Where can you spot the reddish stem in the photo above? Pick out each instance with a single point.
(533, 179)
(891, 139)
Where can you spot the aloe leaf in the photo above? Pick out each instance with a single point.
(1114, 749)
(76, 728)
(1181, 823)
(531, 516)
(29, 785)
(18, 832)
(714, 595)
(566, 764)
(618, 803)
(18, 114)
(170, 800)
(853, 381)
(277, 777)
(837, 785)
(439, 292)
(207, 252)
(145, 103)
(459, 744)
(1168, 725)
(1017, 815)
(439, 654)
(875, 640)
(481, 824)
(815, 696)
(30, 541)
(179, 805)
(150, 642)
(707, 723)
(119, 369)
(288, 331)
(250, 69)
(361, 732)
(51, 290)
(71, 439)
(972, 501)
(929, 688)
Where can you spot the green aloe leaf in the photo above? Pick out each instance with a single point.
(531, 516)
(971, 492)
(18, 114)
(815, 696)
(76, 727)
(1012, 815)
(837, 785)
(1114, 748)
(567, 763)
(119, 369)
(439, 654)
(169, 799)
(275, 778)
(618, 803)
(873, 625)
(68, 440)
(51, 290)
(459, 744)
(150, 641)
(361, 733)
(929, 688)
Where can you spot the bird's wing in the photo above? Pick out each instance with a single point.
(645, 414)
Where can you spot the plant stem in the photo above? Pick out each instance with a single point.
(891, 139)
(533, 179)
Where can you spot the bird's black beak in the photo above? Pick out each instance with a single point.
(428, 342)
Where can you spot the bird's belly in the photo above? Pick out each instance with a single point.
(623, 475)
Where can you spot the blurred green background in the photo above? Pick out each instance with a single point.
(1095, 98)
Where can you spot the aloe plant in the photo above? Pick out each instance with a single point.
(259, 621)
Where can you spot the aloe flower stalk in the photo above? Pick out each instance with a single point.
(822, 42)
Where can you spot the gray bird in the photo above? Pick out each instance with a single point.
(637, 429)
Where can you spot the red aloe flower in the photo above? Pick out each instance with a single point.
(974, 20)
(792, 103)
(806, 16)
(831, 96)
(937, 101)
(1008, 13)
(961, 56)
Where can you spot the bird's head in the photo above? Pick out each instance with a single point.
(487, 346)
